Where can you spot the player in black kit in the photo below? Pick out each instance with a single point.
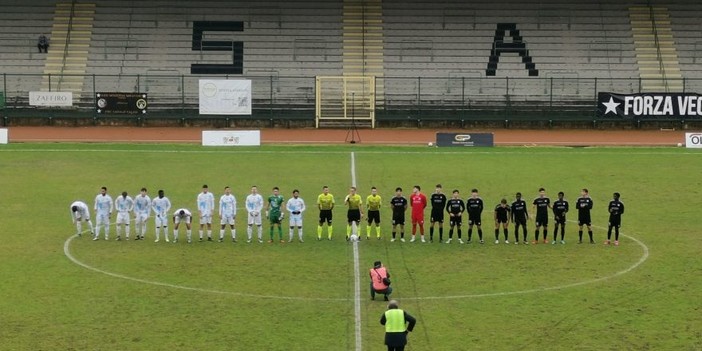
(520, 217)
(541, 204)
(584, 205)
(616, 209)
(560, 208)
(399, 205)
(502, 217)
(474, 205)
(455, 208)
(438, 203)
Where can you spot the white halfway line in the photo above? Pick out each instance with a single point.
(356, 271)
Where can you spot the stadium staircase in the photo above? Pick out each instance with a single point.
(67, 58)
(656, 54)
(362, 49)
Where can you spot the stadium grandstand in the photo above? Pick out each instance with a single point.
(449, 63)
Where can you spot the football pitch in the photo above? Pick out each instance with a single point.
(63, 292)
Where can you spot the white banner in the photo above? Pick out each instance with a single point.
(51, 98)
(3, 135)
(225, 97)
(231, 137)
(693, 140)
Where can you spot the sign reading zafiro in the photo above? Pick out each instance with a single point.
(464, 139)
(225, 97)
(231, 137)
(51, 98)
(650, 105)
(693, 140)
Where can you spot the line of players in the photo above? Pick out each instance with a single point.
(455, 207)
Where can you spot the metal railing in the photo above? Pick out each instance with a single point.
(68, 40)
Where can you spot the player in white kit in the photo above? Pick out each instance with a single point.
(227, 213)
(79, 213)
(182, 215)
(205, 208)
(254, 205)
(142, 210)
(103, 211)
(296, 206)
(124, 205)
(161, 205)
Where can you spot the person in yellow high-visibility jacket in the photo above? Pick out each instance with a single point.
(397, 324)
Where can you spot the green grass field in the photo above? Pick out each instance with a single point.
(225, 296)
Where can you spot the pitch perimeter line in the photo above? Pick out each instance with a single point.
(356, 270)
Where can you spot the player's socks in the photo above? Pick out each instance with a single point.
(480, 234)
(394, 234)
(616, 233)
(545, 233)
(201, 232)
(233, 233)
(441, 233)
(209, 233)
(249, 232)
(175, 234)
(79, 227)
(459, 233)
(189, 234)
(107, 231)
(260, 233)
(299, 233)
(450, 233)
(270, 232)
(291, 234)
(329, 232)
(158, 233)
(377, 231)
(497, 234)
(126, 231)
(368, 230)
(562, 233)
(536, 235)
(221, 234)
(348, 231)
(280, 232)
(506, 232)
(580, 235)
(90, 223)
(402, 235)
(143, 229)
(470, 234)
(319, 232)
(589, 233)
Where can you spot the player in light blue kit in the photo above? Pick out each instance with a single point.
(296, 206)
(103, 211)
(142, 210)
(161, 205)
(205, 208)
(227, 213)
(254, 205)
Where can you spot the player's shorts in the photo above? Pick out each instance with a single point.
(295, 221)
(373, 217)
(559, 219)
(474, 219)
(615, 221)
(254, 218)
(520, 221)
(141, 217)
(418, 218)
(398, 218)
(501, 219)
(274, 217)
(325, 216)
(206, 218)
(122, 217)
(161, 220)
(584, 221)
(227, 219)
(437, 216)
(353, 215)
(186, 219)
(102, 218)
(455, 220)
(541, 221)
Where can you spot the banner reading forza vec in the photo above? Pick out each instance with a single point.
(225, 97)
(121, 103)
(649, 105)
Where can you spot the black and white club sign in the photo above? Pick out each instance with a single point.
(649, 105)
(121, 103)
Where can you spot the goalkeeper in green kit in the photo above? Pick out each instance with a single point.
(274, 213)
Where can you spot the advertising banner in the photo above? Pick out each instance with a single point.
(649, 105)
(225, 97)
(121, 103)
(693, 140)
(465, 139)
(231, 137)
(51, 98)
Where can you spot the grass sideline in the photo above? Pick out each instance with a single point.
(51, 303)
